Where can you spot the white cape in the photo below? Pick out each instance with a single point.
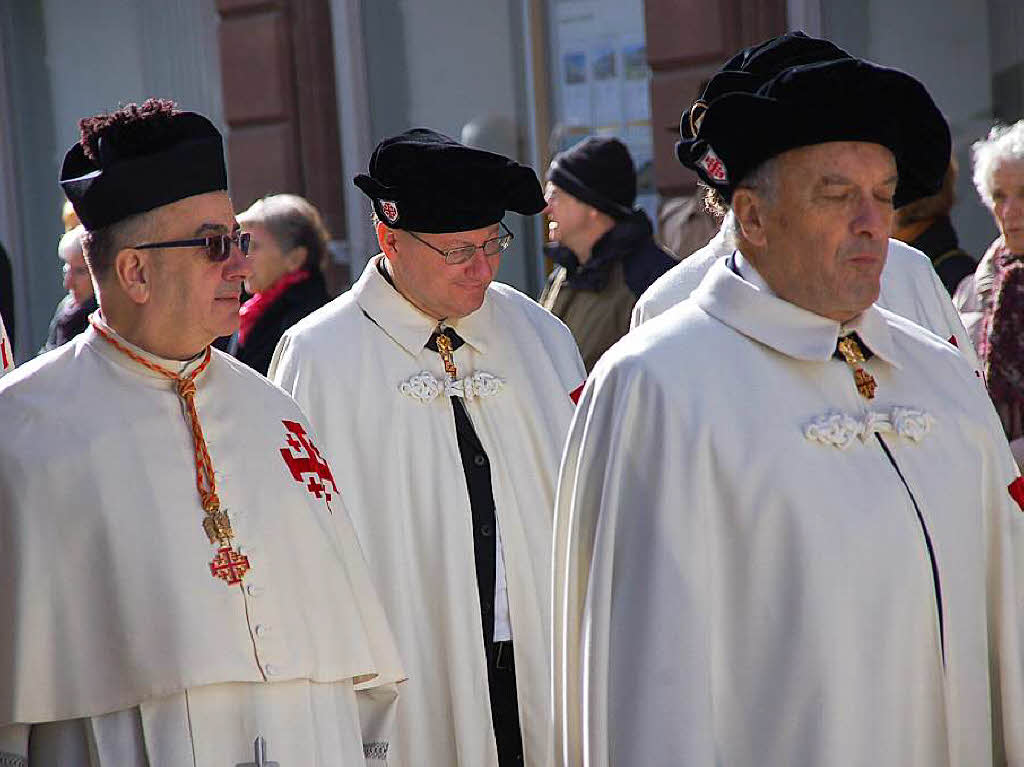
(108, 600)
(741, 577)
(359, 368)
(910, 288)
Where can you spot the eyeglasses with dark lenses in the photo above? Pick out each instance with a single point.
(218, 246)
(456, 256)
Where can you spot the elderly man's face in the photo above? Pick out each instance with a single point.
(194, 300)
(77, 280)
(826, 234)
(1008, 203)
(436, 288)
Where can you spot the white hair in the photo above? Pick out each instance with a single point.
(1004, 142)
(71, 242)
(731, 230)
(763, 179)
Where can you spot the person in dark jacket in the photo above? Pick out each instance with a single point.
(925, 224)
(72, 314)
(287, 247)
(604, 248)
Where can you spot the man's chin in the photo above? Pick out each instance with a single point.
(467, 307)
(227, 317)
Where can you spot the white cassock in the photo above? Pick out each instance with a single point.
(755, 565)
(6, 352)
(119, 646)
(910, 288)
(358, 366)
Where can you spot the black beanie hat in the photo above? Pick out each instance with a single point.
(424, 181)
(599, 172)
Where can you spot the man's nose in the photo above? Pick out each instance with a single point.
(481, 267)
(874, 218)
(237, 265)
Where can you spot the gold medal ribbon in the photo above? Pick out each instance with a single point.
(853, 355)
(229, 564)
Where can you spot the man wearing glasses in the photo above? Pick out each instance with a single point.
(445, 399)
(181, 581)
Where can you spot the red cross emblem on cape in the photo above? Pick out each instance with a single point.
(306, 464)
(1016, 489)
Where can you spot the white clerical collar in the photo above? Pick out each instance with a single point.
(785, 327)
(403, 322)
(747, 271)
(94, 341)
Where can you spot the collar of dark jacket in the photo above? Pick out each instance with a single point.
(618, 243)
(938, 239)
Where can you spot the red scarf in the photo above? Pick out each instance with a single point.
(257, 306)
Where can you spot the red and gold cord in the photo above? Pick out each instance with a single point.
(216, 524)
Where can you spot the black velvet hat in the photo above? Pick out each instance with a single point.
(842, 99)
(752, 67)
(598, 171)
(136, 171)
(424, 181)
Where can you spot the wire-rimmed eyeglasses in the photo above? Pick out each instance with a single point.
(456, 256)
(218, 246)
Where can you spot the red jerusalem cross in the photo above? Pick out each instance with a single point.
(229, 565)
(303, 458)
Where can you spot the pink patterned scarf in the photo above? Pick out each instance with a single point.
(1002, 348)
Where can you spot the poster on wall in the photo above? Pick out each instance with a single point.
(575, 88)
(606, 115)
(602, 85)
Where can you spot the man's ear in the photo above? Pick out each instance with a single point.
(387, 238)
(133, 270)
(750, 209)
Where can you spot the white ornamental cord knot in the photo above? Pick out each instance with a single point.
(840, 430)
(425, 387)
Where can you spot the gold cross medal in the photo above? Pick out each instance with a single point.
(854, 356)
(444, 348)
(229, 564)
